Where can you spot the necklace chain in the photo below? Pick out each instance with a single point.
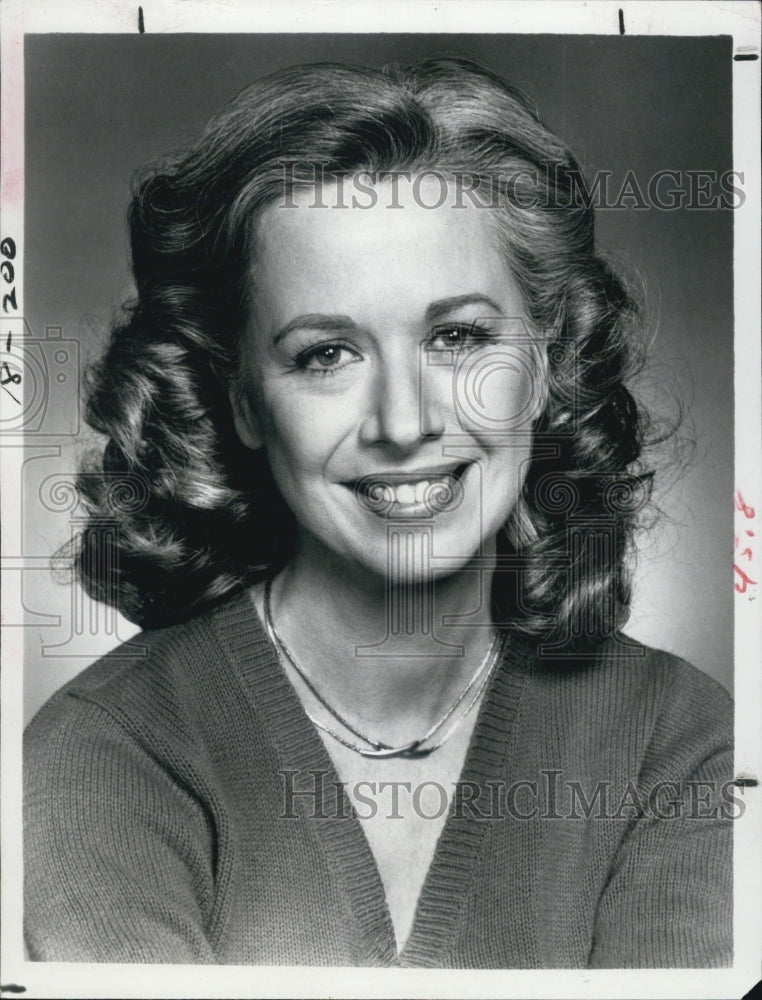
(377, 748)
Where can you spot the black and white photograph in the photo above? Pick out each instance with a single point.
(382, 499)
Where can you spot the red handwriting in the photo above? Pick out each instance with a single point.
(743, 578)
(743, 506)
(746, 580)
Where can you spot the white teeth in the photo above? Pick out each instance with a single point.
(405, 494)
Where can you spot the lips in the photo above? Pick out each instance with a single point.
(420, 493)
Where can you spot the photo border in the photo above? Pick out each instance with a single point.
(742, 21)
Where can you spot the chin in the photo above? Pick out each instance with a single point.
(412, 556)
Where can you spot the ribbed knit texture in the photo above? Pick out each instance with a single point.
(155, 826)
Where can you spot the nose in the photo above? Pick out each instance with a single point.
(404, 408)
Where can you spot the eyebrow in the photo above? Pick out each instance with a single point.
(339, 322)
(315, 321)
(444, 306)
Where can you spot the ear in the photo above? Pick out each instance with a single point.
(246, 422)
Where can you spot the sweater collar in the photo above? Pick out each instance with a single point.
(343, 841)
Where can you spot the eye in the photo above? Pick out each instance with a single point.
(324, 359)
(457, 335)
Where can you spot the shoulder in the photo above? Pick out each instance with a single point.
(119, 837)
(687, 715)
(163, 681)
(626, 672)
(662, 685)
(642, 706)
(623, 671)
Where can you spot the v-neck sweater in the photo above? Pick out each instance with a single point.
(181, 807)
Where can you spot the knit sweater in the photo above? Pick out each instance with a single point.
(163, 821)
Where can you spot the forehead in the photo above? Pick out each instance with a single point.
(318, 249)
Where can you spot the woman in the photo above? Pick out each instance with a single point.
(371, 402)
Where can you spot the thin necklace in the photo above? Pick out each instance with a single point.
(377, 748)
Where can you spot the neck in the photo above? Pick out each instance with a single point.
(380, 650)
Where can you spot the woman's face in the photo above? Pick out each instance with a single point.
(389, 375)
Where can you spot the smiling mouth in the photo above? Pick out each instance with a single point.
(417, 494)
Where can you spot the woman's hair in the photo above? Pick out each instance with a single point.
(198, 514)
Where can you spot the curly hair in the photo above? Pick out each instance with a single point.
(210, 519)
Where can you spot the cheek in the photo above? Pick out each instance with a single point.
(499, 391)
(506, 471)
(300, 432)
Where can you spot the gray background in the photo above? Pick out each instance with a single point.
(99, 105)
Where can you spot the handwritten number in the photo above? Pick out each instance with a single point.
(10, 376)
(8, 272)
(742, 505)
(745, 580)
(8, 249)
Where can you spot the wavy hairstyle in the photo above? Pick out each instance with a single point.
(209, 518)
